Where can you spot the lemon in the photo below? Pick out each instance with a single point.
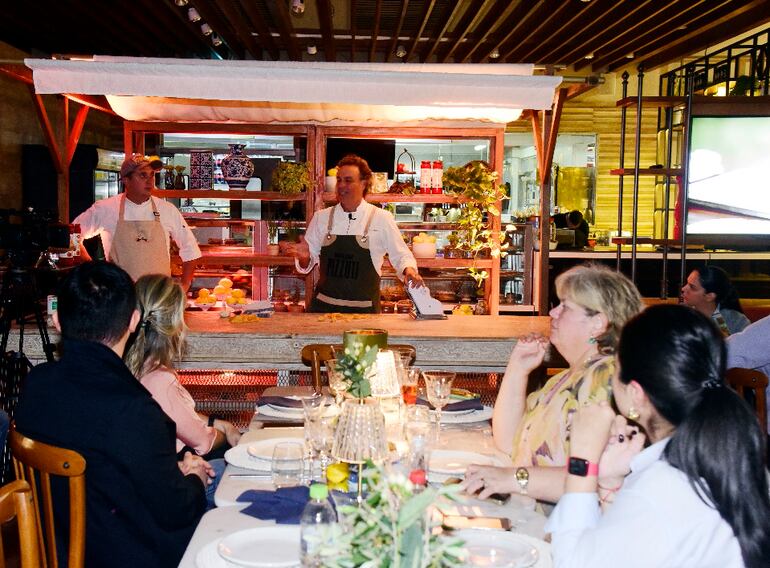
(219, 290)
(204, 292)
(226, 283)
(238, 293)
(230, 300)
(331, 172)
(337, 476)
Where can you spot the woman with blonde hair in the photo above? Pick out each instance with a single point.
(595, 303)
(159, 341)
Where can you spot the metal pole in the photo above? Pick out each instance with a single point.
(687, 120)
(667, 197)
(637, 149)
(623, 113)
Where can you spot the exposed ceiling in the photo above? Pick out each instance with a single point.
(614, 33)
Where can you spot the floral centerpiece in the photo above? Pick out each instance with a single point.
(355, 365)
(393, 527)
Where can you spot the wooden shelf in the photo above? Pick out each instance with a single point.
(195, 222)
(217, 256)
(652, 101)
(233, 194)
(485, 263)
(401, 198)
(648, 172)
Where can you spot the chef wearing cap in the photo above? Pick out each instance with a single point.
(136, 228)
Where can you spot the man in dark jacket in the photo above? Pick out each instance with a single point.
(142, 505)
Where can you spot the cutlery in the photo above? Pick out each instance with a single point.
(252, 475)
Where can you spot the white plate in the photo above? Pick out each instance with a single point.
(208, 557)
(467, 418)
(263, 450)
(498, 548)
(298, 412)
(457, 412)
(452, 462)
(262, 547)
(239, 457)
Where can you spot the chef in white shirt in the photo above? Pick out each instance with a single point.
(349, 242)
(136, 228)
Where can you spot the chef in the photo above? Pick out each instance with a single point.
(349, 242)
(136, 228)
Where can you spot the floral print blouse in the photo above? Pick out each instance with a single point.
(543, 435)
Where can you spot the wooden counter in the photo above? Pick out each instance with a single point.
(470, 343)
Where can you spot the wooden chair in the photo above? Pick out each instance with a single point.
(35, 463)
(16, 502)
(755, 381)
(315, 356)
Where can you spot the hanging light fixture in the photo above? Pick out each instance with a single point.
(180, 3)
(589, 56)
(312, 49)
(206, 29)
(495, 54)
(193, 15)
(400, 51)
(297, 7)
(216, 40)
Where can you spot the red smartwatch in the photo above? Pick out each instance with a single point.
(582, 468)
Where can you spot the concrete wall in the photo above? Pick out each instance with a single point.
(19, 125)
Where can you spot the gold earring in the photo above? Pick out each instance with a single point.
(633, 414)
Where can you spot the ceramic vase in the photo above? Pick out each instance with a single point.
(237, 167)
(373, 337)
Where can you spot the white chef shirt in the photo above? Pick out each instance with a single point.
(102, 219)
(657, 519)
(384, 236)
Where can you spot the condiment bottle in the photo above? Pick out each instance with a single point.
(438, 176)
(426, 177)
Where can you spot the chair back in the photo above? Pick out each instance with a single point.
(315, 356)
(35, 463)
(16, 502)
(743, 380)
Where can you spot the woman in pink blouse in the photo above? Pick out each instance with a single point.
(158, 342)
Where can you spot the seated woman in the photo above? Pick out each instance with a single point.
(710, 291)
(595, 304)
(696, 497)
(158, 342)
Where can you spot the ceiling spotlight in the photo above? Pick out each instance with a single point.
(297, 7)
(495, 54)
(180, 2)
(193, 15)
(630, 55)
(312, 50)
(216, 40)
(590, 56)
(206, 29)
(682, 27)
(400, 51)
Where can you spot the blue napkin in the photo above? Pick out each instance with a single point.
(282, 401)
(285, 504)
(470, 404)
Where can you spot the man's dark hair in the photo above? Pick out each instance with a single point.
(364, 171)
(95, 303)
(574, 218)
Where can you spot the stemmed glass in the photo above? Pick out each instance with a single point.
(438, 387)
(337, 384)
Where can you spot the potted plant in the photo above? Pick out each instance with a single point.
(291, 178)
(292, 232)
(272, 237)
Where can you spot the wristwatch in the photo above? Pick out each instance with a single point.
(582, 468)
(522, 478)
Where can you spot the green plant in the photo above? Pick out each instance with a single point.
(293, 231)
(290, 178)
(355, 365)
(476, 182)
(392, 528)
(272, 230)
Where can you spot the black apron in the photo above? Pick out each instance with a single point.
(349, 283)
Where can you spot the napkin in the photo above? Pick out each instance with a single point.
(282, 401)
(285, 504)
(470, 404)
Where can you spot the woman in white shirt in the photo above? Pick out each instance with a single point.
(698, 495)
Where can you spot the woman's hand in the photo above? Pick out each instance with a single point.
(196, 465)
(624, 443)
(528, 353)
(231, 433)
(486, 480)
(590, 431)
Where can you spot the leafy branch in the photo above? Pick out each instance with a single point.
(355, 365)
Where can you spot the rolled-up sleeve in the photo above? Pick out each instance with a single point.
(399, 254)
(183, 237)
(313, 237)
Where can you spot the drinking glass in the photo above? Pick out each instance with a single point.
(286, 465)
(337, 385)
(409, 381)
(417, 431)
(321, 436)
(438, 387)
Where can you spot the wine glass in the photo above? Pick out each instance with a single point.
(438, 387)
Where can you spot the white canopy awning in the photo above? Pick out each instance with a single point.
(191, 90)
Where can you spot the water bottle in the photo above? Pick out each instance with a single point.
(316, 525)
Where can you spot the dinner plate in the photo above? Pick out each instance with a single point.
(497, 548)
(287, 410)
(239, 457)
(454, 462)
(263, 449)
(463, 418)
(262, 547)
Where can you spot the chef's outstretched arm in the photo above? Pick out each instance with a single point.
(411, 276)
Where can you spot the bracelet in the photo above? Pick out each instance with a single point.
(609, 489)
(610, 493)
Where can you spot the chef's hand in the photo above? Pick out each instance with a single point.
(413, 278)
(299, 250)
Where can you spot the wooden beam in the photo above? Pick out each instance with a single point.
(537, 135)
(520, 17)
(493, 16)
(557, 107)
(424, 17)
(327, 28)
(263, 31)
(209, 15)
(375, 30)
(195, 31)
(560, 31)
(448, 20)
(48, 133)
(97, 102)
(286, 29)
(74, 134)
(186, 43)
(352, 12)
(548, 15)
(397, 31)
(16, 71)
(470, 18)
(242, 31)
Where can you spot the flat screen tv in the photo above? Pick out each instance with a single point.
(728, 192)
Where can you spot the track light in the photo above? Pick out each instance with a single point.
(180, 3)
(401, 51)
(193, 15)
(206, 29)
(297, 7)
(216, 40)
(312, 49)
(590, 56)
(495, 54)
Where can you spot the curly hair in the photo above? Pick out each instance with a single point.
(364, 170)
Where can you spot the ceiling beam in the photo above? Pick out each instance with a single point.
(424, 17)
(738, 21)
(147, 22)
(238, 23)
(263, 31)
(327, 28)
(492, 14)
(397, 31)
(375, 30)
(549, 16)
(187, 42)
(519, 18)
(286, 29)
(209, 15)
(195, 30)
(353, 15)
(558, 31)
(449, 17)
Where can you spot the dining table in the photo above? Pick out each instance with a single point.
(459, 441)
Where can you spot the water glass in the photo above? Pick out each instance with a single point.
(409, 381)
(320, 435)
(438, 386)
(286, 465)
(418, 431)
